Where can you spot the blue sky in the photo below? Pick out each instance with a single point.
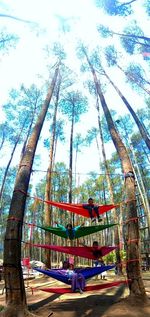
(23, 64)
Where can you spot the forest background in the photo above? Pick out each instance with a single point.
(32, 41)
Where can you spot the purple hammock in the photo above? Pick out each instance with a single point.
(88, 272)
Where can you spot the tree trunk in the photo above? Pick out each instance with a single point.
(110, 189)
(14, 284)
(130, 77)
(48, 188)
(139, 124)
(29, 130)
(134, 275)
(10, 160)
(70, 160)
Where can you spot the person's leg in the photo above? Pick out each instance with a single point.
(81, 281)
(96, 210)
(74, 282)
(90, 212)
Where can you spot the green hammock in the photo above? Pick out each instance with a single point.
(79, 232)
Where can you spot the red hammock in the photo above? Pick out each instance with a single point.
(88, 288)
(78, 209)
(85, 252)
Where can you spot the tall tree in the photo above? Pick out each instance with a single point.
(62, 83)
(14, 284)
(73, 105)
(78, 141)
(48, 187)
(18, 125)
(136, 285)
(134, 72)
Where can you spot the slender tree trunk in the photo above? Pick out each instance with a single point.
(136, 285)
(138, 122)
(145, 38)
(70, 160)
(29, 130)
(143, 191)
(138, 176)
(10, 160)
(48, 188)
(14, 284)
(2, 140)
(130, 77)
(110, 189)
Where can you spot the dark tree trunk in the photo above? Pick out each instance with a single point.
(138, 122)
(136, 285)
(110, 188)
(70, 160)
(10, 160)
(48, 188)
(14, 284)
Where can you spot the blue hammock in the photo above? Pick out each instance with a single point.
(89, 272)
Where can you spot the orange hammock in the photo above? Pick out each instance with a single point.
(78, 209)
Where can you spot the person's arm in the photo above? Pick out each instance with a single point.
(60, 226)
(78, 227)
(85, 206)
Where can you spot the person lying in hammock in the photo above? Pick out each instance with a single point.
(96, 251)
(69, 229)
(77, 279)
(92, 209)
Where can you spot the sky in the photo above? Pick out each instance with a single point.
(28, 60)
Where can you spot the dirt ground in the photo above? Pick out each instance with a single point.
(110, 302)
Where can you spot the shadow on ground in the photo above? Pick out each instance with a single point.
(90, 306)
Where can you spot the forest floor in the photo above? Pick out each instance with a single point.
(110, 302)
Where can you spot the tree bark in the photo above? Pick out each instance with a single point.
(10, 160)
(48, 188)
(134, 275)
(142, 129)
(110, 189)
(14, 283)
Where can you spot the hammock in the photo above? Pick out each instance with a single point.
(80, 232)
(61, 276)
(63, 290)
(85, 252)
(78, 209)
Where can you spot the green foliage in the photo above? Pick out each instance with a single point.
(67, 78)
(8, 189)
(73, 105)
(84, 68)
(111, 257)
(59, 133)
(7, 41)
(80, 49)
(91, 135)
(91, 87)
(59, 51)
(78, 140)
(147, 7)
(106, 133)
(135, 75)
(23, 104)
(95, 60)
(131, 42)
(111, 55)
(115, 7)
(104, 31)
